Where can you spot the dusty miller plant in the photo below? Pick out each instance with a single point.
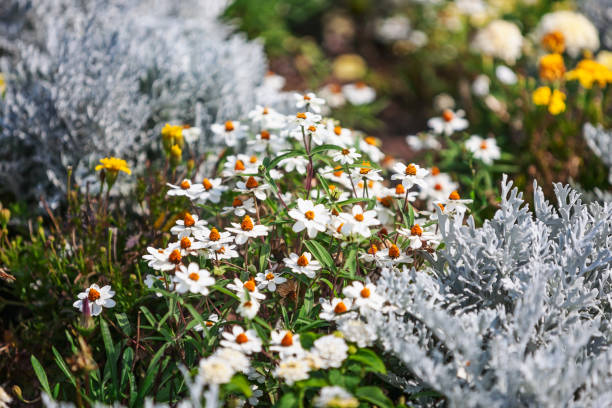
(513, 313)
(92, 79)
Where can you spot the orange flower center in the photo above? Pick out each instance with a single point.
(335, 88)
(483, 145)
(441, 206)
(370, 140)
(399, 189)
(239, 166)
(306, 97)
(175, 257)
(302, 260)
(209, 323)
(287, 340)
(207, 184)
(220, 250)
(214, 234)
(270, 276)
(185, 185)
(394, 251)
(360, 85)
(345, 151)
(365, 293)
(265, 135)
(246, 224)
(241, 338)
(250, 285)
(338, 171)
(366, 168)
(188, 220)
(229, 126)
(265, 111)
(185, 243)
(372, 249)
(93, 295)
(435, 171)
(253, 159)
(194, 276)
(340, 308)
(339, 229)
(338, 130)
(300, 115)
(251, 183)
(411, 170)
(358, 217)
(309, 215)
(386, 201)
(438, 187)
(237, 202)
(312, 128)
(416, 230)
(448, 115)
(454, 195)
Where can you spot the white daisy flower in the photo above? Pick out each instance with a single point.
(335, 396)
(337, 175)
(213, 319)
(250, 287)
(449, 123)
(410, 175)
(337, 309)
(212, 238)
(215, 370)
(248, 308)
(163, 259)
(370, 146)
(193, 279)
(364, 296)
(223, 252)
(292, 370)
(230, 132)
(298, 164)
(390, 256)
(269, 280)
(245, 341)
(303, 264)
(208, 190)
(93, 299)
(309, 100)
(506, 75)
(236, 359)
(191, 134)
(437, 186)
(332, 93)
(366, 171)
(454, 203)
(182, 189)
(337, 135)
(358, 221)
(483, 149)
(187, 226)
(345, 156)
(253, 185)
(246, 229)
(187, 246)
(310, 217)
(359, 93)
(240, 207)
(236, 165)
(331, 350)
(267, 117)
(266, 140)
(305, 120)
(285, 343)
(417, 235)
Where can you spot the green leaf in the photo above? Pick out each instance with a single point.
(324, 148)
(320, 253)
(370, 359)
(111, 355)
(373, 395)
(239, 384)
(62, 365)
(287, 401)
(277, 159)
(40, 374)
(312, 383)
(151, 372)
(124, 323)
(410, 215)
(307, 339)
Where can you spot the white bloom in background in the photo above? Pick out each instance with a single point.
(151, 280)
(332, 93)
(187, 226)
(371, 146)
(309, 100)
(208, 190)
(305, 120)
(236, 165)
(483, 149)
(212, 238)
(6, 399)
(213, 319)
(454, 203)
(303, 264)
(253, 185)
(422, 141)
(358, 221)
(269, 280)
(365, 171)
(506, 75)
(215, 370)
(417, 235)
(449, 123)
(162, 259)
(245, 341)
(418, 38)
(364, 296)
(186, 246)
(236, 359)
(410, 175)
(274, 81)
(248, 308)
(331, 350)
(267, 117)
(501, 39)
(246, 229)
(358, 332)
(481, 85)
(229, 132)
(437, 186)
(578, 32)
(337, 175)
(310, 217)
(96, 299)
(337, 135)
(292, 370)
(298, 164)
(345, 156)
(335, 396)
(286, 343)
(223, 252)
(191, 134)
(182, 189)
(193, 279)
(359, 93)
(240, 207)
(267, 140)
(336, 309)
(395, 28)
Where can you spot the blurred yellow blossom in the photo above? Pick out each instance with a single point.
(588, 72)
(113, 165)
(349, 67)
(2, 83)
(554, 42)
(555, 100)
(551, 67)
(541, 96)
(172, 135)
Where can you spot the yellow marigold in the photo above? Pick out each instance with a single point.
(554, 42)
(113, 165)
(541, 96)
(551, 67)
(588, 72)
(172, 135)
(557, 103)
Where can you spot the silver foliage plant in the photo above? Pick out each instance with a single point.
(513, 313)
(92, 79)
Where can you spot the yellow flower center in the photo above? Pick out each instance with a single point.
(312, 128)
(207, 184)
(194, 276)
(438, 187)
(185, 243)
(365, 293)
(188, 220)
(300, 115)
(265, 111)
(338, 171)
(185, 185)
(387, 201)
(265, 135)
(93, 295)
(372, 249)
(270, 276)
(399, 189)
(251, 183)
(370, 140)
(554, 41)
(229, 126)
(306, 97)
(411, 170)
(250, 285)
(435, 171)
(394, 251)
(483, 145)
(175, 256)
(239, 166)
(214, 234)
(338, 130)
(340, 308)
(287, 340)
(454, 195)
(358, 217)
(448, 115)
(345, 151)
(246, 224)
(302, 260)
(241, 338)
(416, 230)
(310, 215)
(237, 202)
(253, 159)
(220, 250)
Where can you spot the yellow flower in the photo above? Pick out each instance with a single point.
(551, 67)
(176, 152)
(541, 96)
(588, 72)
(113, 165)
(554, 42)
(557, 103)
(172, 135)
(605, 58)
(2, 83)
